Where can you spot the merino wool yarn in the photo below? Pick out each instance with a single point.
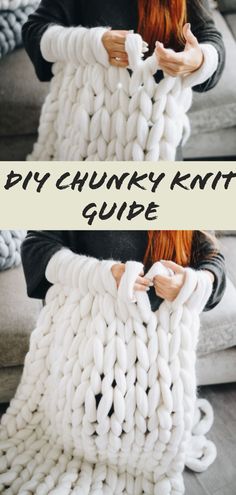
(13, 14)
(16, 4)
(95, 111)
(10, 244)
(107, 400)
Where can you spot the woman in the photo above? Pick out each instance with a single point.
(182, 33)
(181, 27)
(179, 248)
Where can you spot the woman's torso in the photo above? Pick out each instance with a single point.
(119, 245)
(39, 247)
(121, 14)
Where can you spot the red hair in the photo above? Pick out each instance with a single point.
(175, 245)
(162, 20)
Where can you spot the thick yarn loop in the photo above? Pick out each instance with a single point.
(107, 399)
(95, 111)
(13, 14)
(133, 47)
(10, 245)
(132, 271)
(202, 452)
(195, 291)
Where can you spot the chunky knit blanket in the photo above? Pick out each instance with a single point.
(13, 14)
(10, 244)
(96, 111)
(107, 397)
(16, 4)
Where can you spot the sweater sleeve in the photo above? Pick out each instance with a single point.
(207, 256)
(36, 250)
(49, 12)
(203, 27)
(40, 246)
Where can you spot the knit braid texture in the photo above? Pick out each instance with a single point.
(16, 4)
(13, 14)
(107, 400)
(95, 111)
(10, 244)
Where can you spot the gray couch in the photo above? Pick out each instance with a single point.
(217, 343)
(213, 114)
(216, 361)
(18, 316)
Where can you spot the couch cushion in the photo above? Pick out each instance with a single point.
(223, 233)
(228, 248)
(18, 314)
(216, 109)
(217, 367)
(218, 326)
(16, 148)
(21, 95)
(227, 5)
(221, 143)
(231, 20)
(9, 380)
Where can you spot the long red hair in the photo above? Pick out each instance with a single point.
(162, 20)
(175, 245)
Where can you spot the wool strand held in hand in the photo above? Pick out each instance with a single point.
(107, 401)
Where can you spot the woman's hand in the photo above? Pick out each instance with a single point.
(114, 42)
(180, 63)
(168, 287)
(141, 282)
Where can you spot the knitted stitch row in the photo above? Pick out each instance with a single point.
(107, 397)
(11, 22)
(96, 111)
(10, 244)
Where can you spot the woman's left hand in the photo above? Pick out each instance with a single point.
(180, 63)
(168, 287)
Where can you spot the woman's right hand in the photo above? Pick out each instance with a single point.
(114, 42)
(141, 282)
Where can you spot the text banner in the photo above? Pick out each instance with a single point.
(118, 195)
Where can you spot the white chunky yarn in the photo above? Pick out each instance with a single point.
(96, 111)
(10, 244)
(90, 339)
(16, 4)
(13, 15)
(11, 22)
